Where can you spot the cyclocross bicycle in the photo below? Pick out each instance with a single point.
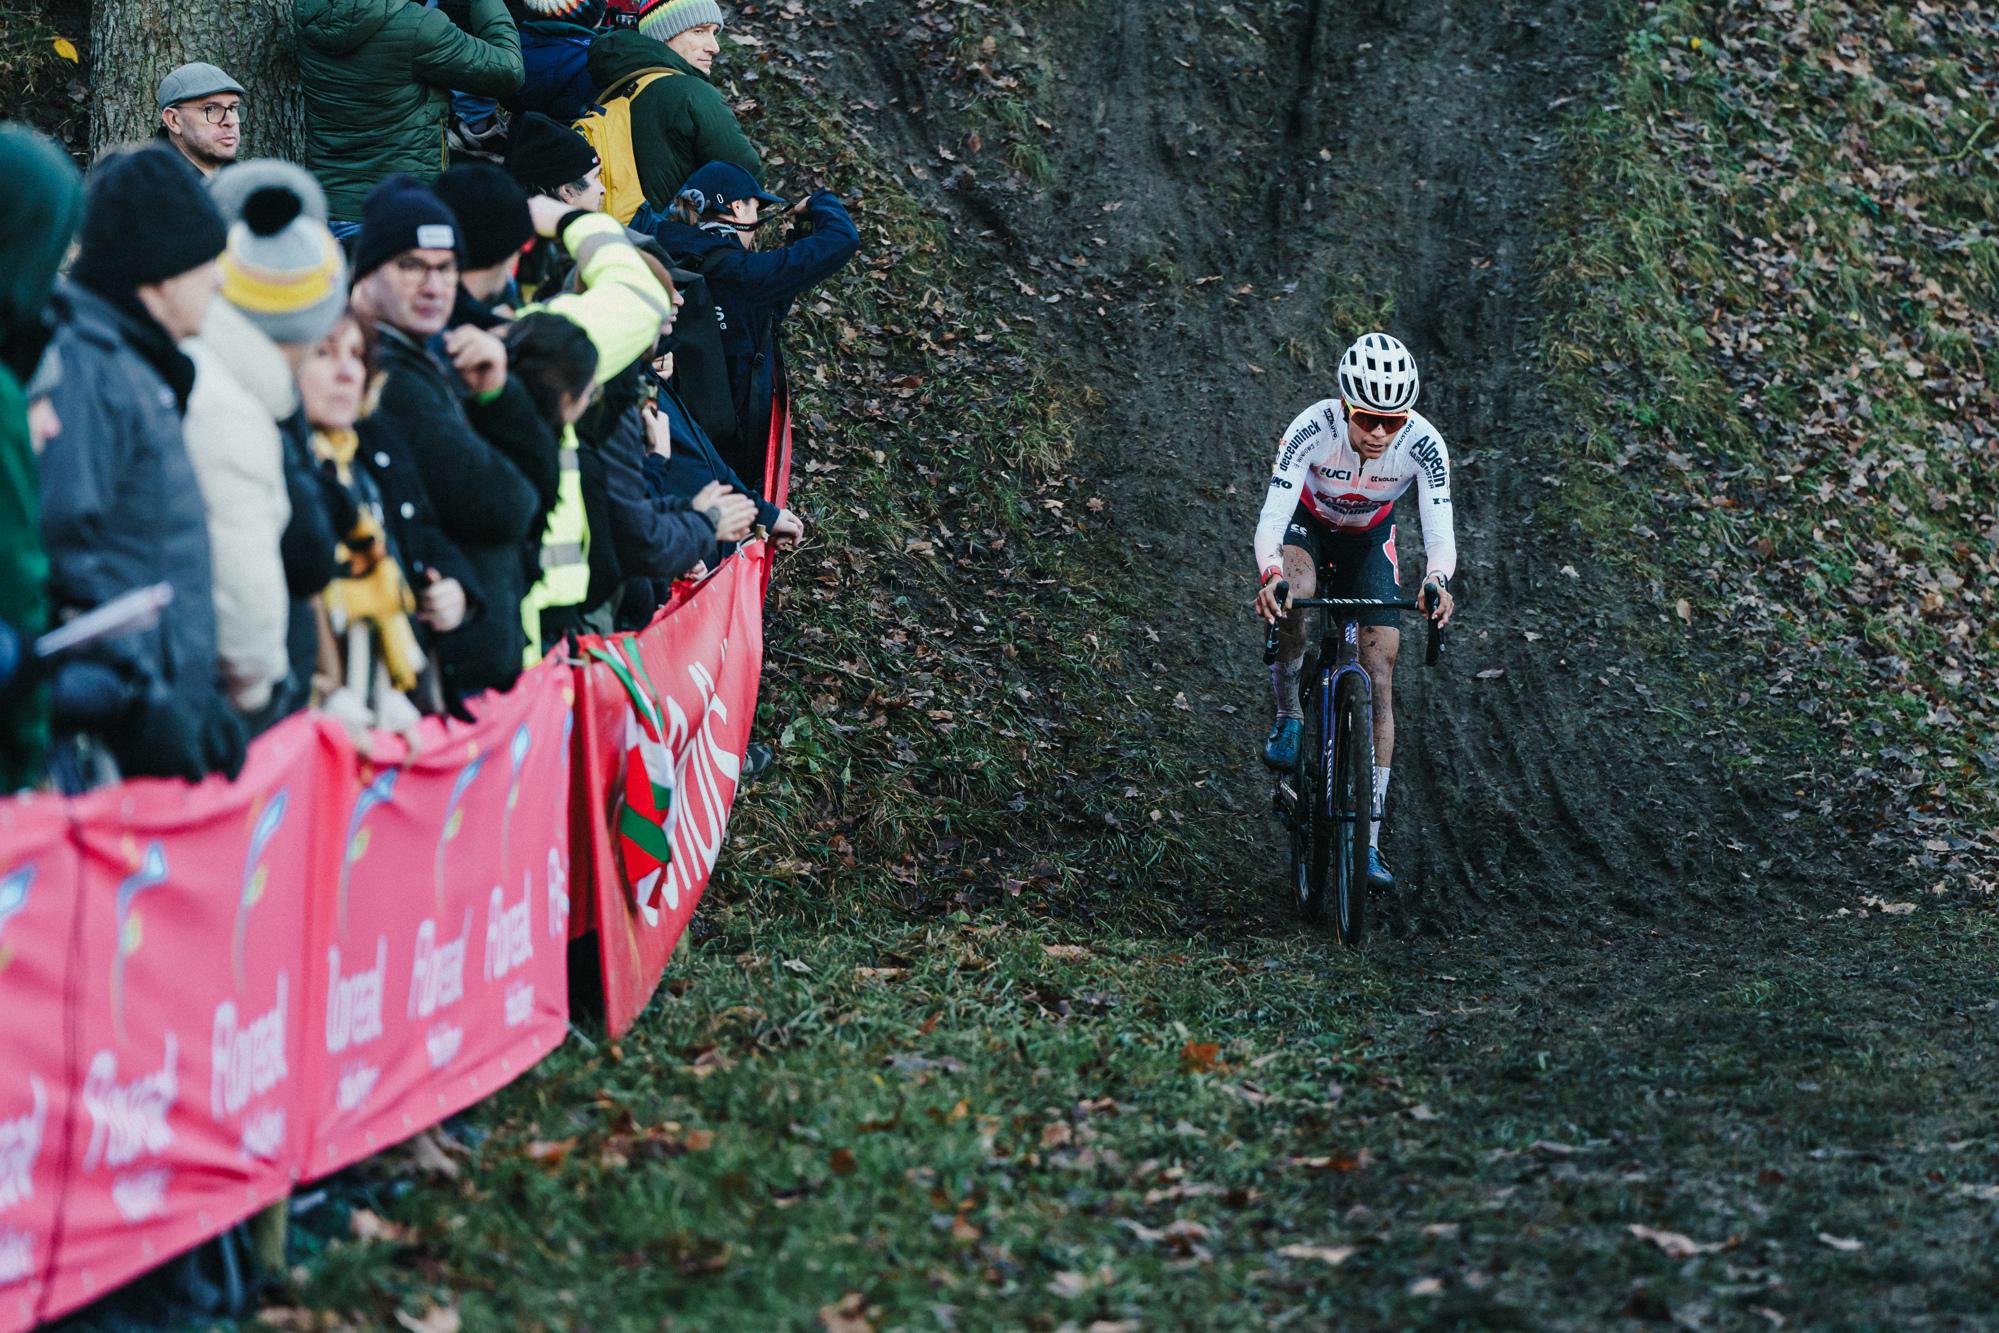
(1327, 799)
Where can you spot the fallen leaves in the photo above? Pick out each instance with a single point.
(1200, 1057)
(850, 1314)
(1844, 1244)
(367, 1225)
(1331, 1255)
(1671, 1243)
(437, 1319)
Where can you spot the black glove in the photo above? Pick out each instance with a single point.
(224, 740)
(159, 740)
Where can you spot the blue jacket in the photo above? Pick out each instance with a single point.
(695, 461)
(556, 56)
(753, 291)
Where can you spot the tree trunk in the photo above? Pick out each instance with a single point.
(133, 43)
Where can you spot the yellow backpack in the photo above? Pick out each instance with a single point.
(608, 127)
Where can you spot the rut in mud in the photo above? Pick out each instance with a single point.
(1321, 163)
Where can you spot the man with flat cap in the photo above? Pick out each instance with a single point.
(201, 115)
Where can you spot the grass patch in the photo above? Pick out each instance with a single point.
(1773, 294)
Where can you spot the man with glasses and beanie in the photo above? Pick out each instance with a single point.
(201, 116)
(1341, 466)
(449, 404)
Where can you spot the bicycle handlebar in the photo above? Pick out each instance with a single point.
(1432, 650)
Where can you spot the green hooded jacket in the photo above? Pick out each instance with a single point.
(678, 124)
(378, 78)
(37, 217)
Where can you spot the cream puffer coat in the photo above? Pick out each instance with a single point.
(242, 389)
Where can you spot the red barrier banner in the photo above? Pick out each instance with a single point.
(439, 971)
(665, 718)
(38, 919)
(191, 1003)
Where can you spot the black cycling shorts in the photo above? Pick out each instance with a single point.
(1351, 564)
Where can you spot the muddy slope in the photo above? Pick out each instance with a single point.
(1233, 188)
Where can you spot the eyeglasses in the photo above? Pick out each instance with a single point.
(216, 113)
(1376, 423)
(415, 270)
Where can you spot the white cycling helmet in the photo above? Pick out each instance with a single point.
(1378, 374)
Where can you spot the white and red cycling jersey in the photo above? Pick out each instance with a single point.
(1317, 467)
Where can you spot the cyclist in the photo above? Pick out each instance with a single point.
(1341, 466)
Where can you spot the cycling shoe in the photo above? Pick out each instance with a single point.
(1280, 748)
(1379, 876)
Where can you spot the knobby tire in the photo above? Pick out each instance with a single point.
(1350, 804)
(1308, 834)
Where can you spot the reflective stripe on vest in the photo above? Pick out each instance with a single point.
(565, 553)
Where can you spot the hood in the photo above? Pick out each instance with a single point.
(250, 358)
(37, 219)
(337, 27)
(689, 243)
(622, 53)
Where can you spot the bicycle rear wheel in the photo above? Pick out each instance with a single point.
(1349, 801)
(1308, 864)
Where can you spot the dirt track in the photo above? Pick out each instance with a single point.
(1284, 169)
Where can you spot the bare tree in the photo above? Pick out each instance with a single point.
(133, 43)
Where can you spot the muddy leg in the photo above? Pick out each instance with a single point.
(1300, 573)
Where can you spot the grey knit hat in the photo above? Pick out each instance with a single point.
(283, 269)
(230, 186)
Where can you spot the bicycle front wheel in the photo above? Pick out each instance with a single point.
(1309, 829)
(1349, 801)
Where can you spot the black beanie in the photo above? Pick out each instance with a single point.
(403, 214)
(181, 228)
(492, 212)
(544, 154)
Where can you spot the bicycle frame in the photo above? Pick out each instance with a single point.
(1331, 799)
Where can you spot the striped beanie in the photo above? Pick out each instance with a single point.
(283, 269)
(583, 13)
(663, 20)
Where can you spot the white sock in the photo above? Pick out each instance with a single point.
(1284, 686)
(1380, 800)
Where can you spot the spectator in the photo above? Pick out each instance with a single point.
(319, 509)
(37, 217)
(713, 232)
(376, 75)
(545, 157)
(620, 305)
(471, 430)
(201, 116)
(682, 461)
(680, 121)
(625, 532)
(556, 36)
(493, 228)
(120, 506)
(283, 285)
(394, 547)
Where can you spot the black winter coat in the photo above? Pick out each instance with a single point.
(120, 506)
(485, 468)
(753, 291)
(634, 534)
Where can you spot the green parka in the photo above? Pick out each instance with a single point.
(36, 222)
(378, 78)
(679, 124)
